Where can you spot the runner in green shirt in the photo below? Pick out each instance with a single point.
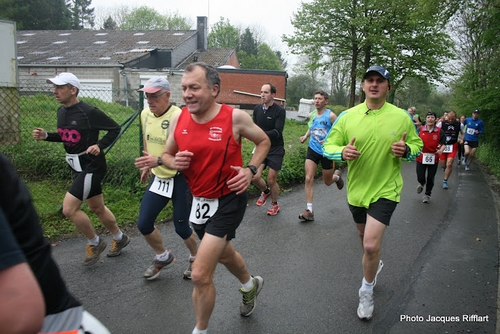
(373, 137)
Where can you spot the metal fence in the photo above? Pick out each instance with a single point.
(28, 106)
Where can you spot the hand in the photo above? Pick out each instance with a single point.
(399, 147)
(93, 150)
(350, 152)
(146, 161)
(39, 134)
(182, 160)
(302, 139)
(241, 181)
(145, 172)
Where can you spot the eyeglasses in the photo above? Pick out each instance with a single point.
(153, 97)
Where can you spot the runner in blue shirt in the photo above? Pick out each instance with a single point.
(473, 128)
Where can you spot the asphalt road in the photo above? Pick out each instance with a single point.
(440, 273)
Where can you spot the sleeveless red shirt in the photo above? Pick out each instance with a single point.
(214, 152)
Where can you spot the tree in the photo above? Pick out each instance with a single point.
(298, 87)
(82, 16)
(477, 27)
(223, 35)
(177, 22)
(116, 13)
(36, 14)
(251, 54)
(283, 62)
(266, 59)
(414, 92)
(405, 36)
(248, 44)
(110, 24)
(338, 72)
(144, 18)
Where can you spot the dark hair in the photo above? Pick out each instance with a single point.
(272, 87)
(211, 73)
(322, 92)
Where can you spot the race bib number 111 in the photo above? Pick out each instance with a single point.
(162, 187)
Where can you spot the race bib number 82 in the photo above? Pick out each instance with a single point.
(202, 209)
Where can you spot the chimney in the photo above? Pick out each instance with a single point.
(202, 32)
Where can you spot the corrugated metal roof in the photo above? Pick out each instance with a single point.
(94, 47)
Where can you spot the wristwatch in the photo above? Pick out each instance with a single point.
(252, 168)
(159, 161)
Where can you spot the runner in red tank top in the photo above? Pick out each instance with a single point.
(205, 144)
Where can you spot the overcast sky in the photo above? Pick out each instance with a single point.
(271, 17)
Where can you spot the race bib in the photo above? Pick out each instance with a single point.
(73, 161)
(448, 149)
(162, 187)
(471, 131)
(428, 158)
(202, 209)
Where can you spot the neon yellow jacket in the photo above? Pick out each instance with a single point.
(376, 173)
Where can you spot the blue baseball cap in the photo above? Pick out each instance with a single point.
(380, 70)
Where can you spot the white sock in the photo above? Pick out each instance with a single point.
(248, 285)
(94, 241)
(366, 286)
(310, 207)
(199, 331)
(163, 257)
(118, 235)
(191, 258)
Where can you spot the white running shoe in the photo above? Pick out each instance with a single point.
(365, 307)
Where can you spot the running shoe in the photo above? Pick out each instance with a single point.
(187, 272)
(263, 198)
(445, 184)
(420, 188)
(339, 182)
(459, 162)
(426, 199)
(467, 167)
(307, 215)
(117, 246)
(94, 253)
(154, 270)
(249, 300)
(365, 307)
(273, 210)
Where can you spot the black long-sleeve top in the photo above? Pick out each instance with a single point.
(272, 122)
(78, 128)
